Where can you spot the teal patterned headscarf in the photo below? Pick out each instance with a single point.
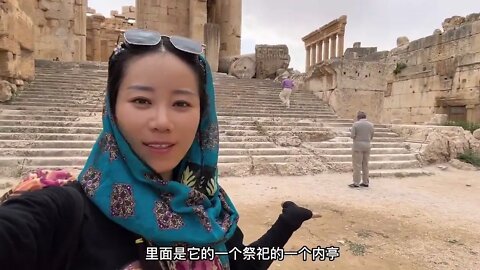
(190, 210)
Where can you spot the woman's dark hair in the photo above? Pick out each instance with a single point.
(119, 63)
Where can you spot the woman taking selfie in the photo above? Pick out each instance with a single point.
(150, 180)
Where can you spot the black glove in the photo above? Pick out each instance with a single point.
(277, 236)
(294, 215)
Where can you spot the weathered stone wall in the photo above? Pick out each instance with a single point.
(438, 74)
(441, 71)
(102, 35)
(170, 17)
(346, 95)
(16, 46)
(189, 18)
(60, 30)
(269, 59)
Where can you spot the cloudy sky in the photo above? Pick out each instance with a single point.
(375, 23)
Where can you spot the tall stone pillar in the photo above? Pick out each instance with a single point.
(97, 44)
(314, 54)
(333, 46)
(80, 30)
(326, 43)
(229, 14)
(319, 51)
(198, 19)
(341, 42)
(307, 60)
(212, 43)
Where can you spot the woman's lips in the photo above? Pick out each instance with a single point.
(159, 148)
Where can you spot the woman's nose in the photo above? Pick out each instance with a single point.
(160, 120)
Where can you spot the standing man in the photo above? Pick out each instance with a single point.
(287, 88)
(362, 134)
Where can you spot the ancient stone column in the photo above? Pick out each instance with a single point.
(340, 44)
(319, 51)
(333, 46)
(97, 43)
(307, 62)
(212, 43)
(326, 49)
(314, 54)
(229, 14)
(198, 19)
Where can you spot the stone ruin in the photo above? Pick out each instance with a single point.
(321, 44)
(16, 46)
(425, 81)
(266, 63)
(69, 30)
(103, 33)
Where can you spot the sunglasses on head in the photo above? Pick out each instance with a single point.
(139, 38)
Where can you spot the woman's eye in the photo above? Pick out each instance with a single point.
(141, 101)
(181, 104)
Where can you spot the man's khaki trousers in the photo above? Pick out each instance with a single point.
(360, 164)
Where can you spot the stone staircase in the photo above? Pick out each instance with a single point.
(55, 121)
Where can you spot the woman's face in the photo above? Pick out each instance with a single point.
(158, 109)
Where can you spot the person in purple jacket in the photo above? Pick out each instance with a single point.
(287, 88)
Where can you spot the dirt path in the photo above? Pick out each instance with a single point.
(428, 222)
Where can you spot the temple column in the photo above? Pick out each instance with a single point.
(307, 62)
(340, 45)
(314, 54)
(333, 46)
(326, 48)
(319, 51)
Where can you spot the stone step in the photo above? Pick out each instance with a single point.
(373, 157)
(66, 80)
(277, 109)
(377, 134)
(48, 136)
(376, 139)
(73, 83)
(40, 129)
(244, 138)
(381, 165)
(79, 76)
(398, 173)
(49, 110)
(321, 145)
(52, 100)
(80, 160)
(60, 89)
(51, 92)
(270, 99)
(284, 114)
(261, 119)
(239, 169)
(96, 124)
(71, 106)
(262, 158)
(24, 111)
(12, 142)
(97, 99)
(47, 118)
(89, 106)
(348, 151)
(68, 152)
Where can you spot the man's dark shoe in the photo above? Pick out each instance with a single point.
(354, 186)
(363, 185)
